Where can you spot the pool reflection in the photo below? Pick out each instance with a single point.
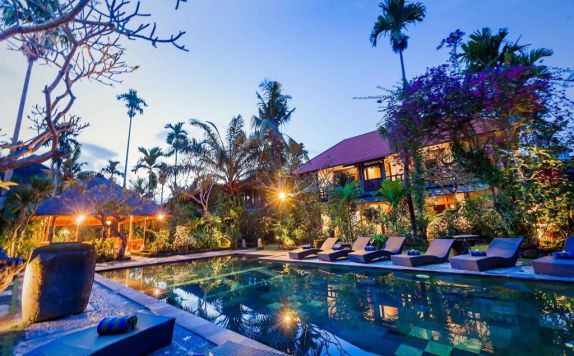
(303, 309)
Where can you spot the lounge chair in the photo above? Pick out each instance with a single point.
(302, 253)
(502, 252)
(152, 332)
(554, 266)
(334, 255)
(393, 246)
(437, 252)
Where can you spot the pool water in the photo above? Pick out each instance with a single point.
(305, 309)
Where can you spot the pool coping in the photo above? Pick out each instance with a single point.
(211, 332)
(151, 261)
(441, 268)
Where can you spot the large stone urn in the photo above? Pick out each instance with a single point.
(58, 281)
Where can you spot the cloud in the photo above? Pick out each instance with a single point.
(97, 151)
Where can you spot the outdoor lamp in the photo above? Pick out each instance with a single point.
(282, 196)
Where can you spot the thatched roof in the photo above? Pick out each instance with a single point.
(94, 197)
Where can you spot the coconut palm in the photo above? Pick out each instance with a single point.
(112, 169)
(71, 167)
(151, 164)
(177, 139)
(273, 113)
(230, 159)
(163, 174)
(134, 105)
(395, 16)
(138, 186)
(487, 50)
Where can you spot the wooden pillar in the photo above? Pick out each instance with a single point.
(144, 232)
(130, 231)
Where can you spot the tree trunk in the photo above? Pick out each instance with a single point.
(409, 197)
(16, 135)
(127, 152)
(175, 171)
(404, 76)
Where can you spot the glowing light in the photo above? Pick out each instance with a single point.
(156, 292)
(109, 222)
(288, 318)
(282, 196)
(80, 219)
(160, 216)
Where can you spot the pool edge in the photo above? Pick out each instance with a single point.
(209, 331)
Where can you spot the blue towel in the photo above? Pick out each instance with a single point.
(117, 325)
(564, 255)
(477, 253)
(307, 247)
(337, 247)
(370, 248)
(413, 252)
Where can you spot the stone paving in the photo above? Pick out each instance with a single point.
(18, 339)
(521, 271)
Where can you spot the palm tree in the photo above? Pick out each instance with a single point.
(33, 48)
(487, 50)
(230, 159)
(150, 163)
(163, 174)
(71, 168)
(139, 186)
(177, 139)
(273, 113)
(112, 169)
(134, 105)
(394, 18)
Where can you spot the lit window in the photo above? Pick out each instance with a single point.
(372, 172)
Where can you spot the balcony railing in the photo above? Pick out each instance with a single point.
(371, 185)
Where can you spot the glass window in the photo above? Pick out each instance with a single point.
(372, 172)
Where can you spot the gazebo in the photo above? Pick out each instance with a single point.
(97, 202)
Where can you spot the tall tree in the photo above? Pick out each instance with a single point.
(274, 112)
(177, 139)
(151, 164)
(112, 169)
(230, 159)
(134, 105)
(487, 50)
(395, 16)
(90, 46)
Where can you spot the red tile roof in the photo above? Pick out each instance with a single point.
(362, 148)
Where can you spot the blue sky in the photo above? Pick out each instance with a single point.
(318, 49)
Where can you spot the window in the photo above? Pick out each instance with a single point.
(372, 172)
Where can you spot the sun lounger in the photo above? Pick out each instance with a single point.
(502, 252)
(152, 332)
(437, 252)
(393, 246)
(302, 253)
(554, 266)
(334, 255)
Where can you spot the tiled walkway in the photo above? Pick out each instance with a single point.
(521, 271)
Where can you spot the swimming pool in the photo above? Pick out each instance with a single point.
(308, 309)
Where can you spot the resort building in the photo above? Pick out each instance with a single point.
(370, 159)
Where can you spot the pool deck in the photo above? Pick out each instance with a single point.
(192, 333)
(522, 271)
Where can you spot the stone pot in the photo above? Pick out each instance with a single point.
(58, 281)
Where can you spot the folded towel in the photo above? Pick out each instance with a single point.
(307, 247)
(117, 325)
(413, 252)
(477, 253)
(370, 248)
(564, 255)
(337, 247)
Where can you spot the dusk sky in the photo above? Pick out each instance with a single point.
(318, 49)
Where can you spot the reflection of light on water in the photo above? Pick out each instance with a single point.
(288, 319)
(389, 313)
(423, 276)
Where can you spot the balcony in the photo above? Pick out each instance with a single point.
(371, 185)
